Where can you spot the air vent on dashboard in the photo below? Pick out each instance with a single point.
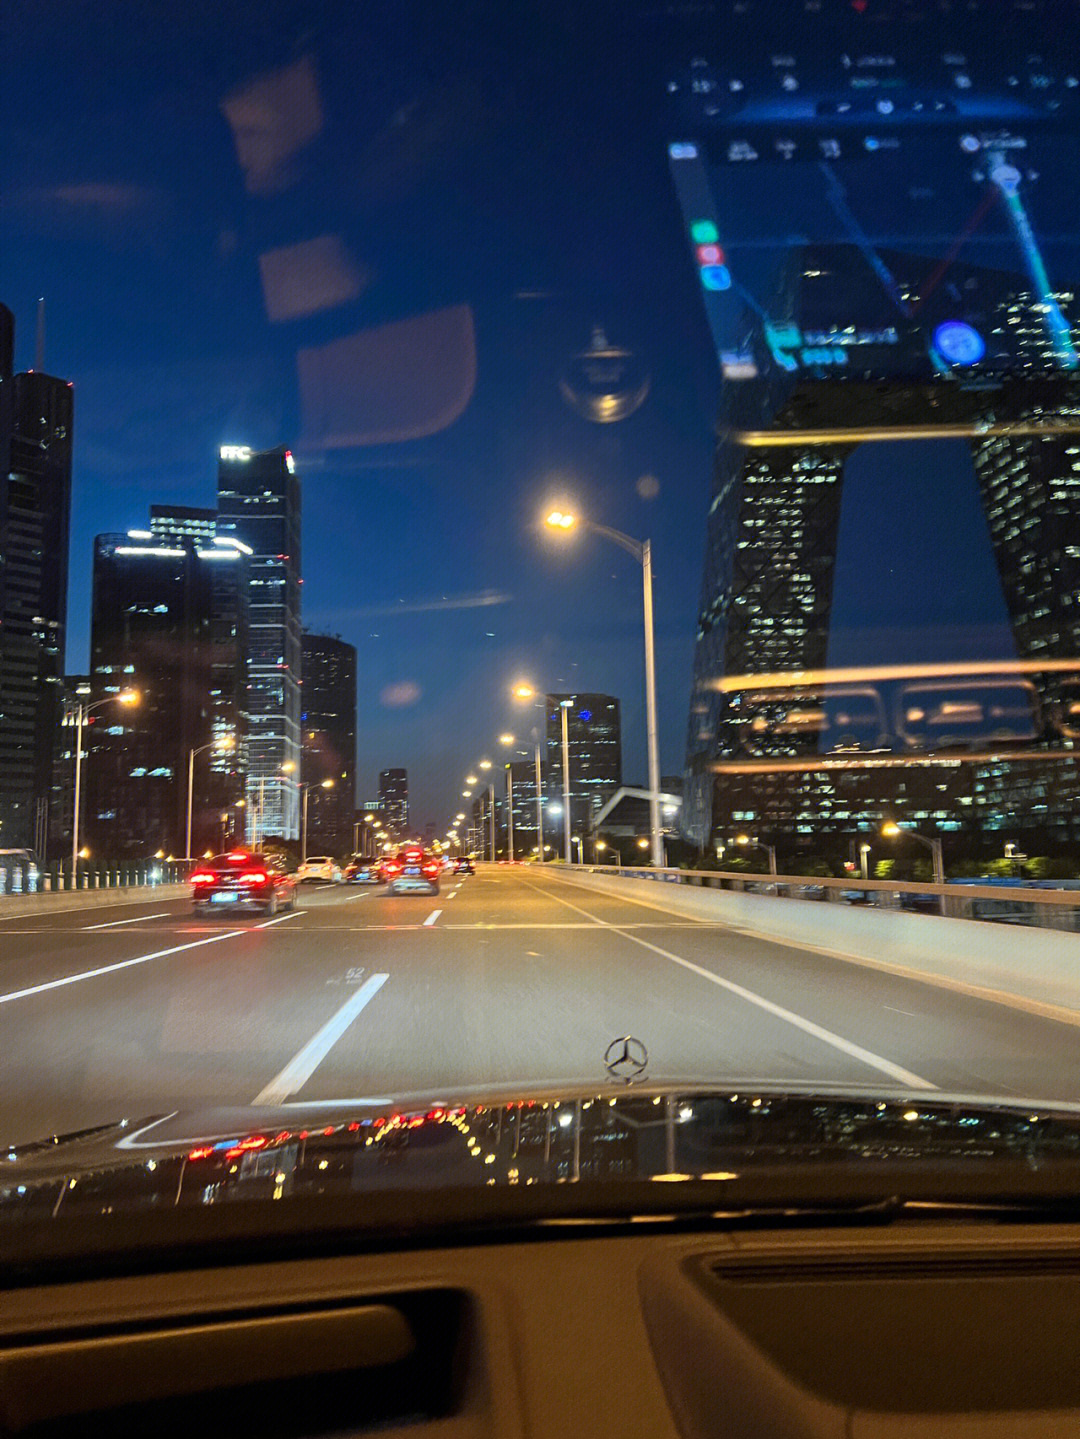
(815, 1269)
(300, 1371)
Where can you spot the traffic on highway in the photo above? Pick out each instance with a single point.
(540, 694)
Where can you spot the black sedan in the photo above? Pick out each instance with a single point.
(362, 871)
(242, 881)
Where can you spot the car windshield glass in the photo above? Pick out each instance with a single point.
(539, 551)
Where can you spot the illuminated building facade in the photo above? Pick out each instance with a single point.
(259, 505)
(36, 417)
(878, 223)
(329, 741)
(394, 802)
(594, 743)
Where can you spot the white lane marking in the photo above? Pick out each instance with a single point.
(452, 894)
(432, 917)
(837, 1041)
(293, 914)
(139, 919)
(909, 1012)
(304, 1064)
(111, 968)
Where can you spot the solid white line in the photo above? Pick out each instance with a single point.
(293, 914)
(110, 968)
(837, 1041)
(432, 917)
(139, 919)
(304, 1064)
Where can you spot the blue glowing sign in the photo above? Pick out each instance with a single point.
(586, 715)
(959, 344)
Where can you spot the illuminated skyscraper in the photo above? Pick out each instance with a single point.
(36, 416)
(394, 801)
(886, 261)
(259, 505)
(329, 740)
(594, 742)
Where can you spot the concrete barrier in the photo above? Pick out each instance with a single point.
(74, 899)
(1033, 969)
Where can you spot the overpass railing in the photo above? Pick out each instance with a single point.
(1050, 904)
(24, 877)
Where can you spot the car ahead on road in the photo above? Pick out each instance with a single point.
(411, 871)
(362, 871)
(321, 866)
(464, 865)
(241, 880)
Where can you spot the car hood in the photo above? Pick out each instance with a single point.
(564, 1152)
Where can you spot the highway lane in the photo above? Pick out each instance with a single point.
(506, 977)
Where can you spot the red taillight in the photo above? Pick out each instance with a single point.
(393, 869)
(255, 876)
(202, 876)
(431, 869)
(204, 1151)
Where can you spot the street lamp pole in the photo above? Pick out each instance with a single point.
(564, 705)
(510, 813)
(323, 784)
(222, 743)
(642, 552)
(491, 819)
(539, 804)
(937, 854)
(652, 732)
(126, 697)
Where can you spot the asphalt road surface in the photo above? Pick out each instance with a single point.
(510, 977)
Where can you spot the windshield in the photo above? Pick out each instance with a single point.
(539, 549)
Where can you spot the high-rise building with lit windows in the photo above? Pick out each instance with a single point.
(594, 744)
(36, 418)
(328, 718)
(394, 801)
(259, 505)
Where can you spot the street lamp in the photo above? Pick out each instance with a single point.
(864, 859)
(222, 744)
(564, 523)
(746, 842)
(125, 697)
(305, 788)
(891, 830)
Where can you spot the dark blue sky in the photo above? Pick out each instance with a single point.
(209, 197)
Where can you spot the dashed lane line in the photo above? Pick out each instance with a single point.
(305, 1062)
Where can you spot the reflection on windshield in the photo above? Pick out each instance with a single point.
(589, 489)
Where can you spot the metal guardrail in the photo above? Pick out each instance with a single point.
(19, 877)
(1005, 904)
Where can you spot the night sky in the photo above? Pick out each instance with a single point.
(210, 197)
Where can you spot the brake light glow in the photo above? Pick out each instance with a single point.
(255, 876)
(204, 1151)
(202, 876)
(246, 1146)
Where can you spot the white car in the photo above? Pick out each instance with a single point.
(320, 866)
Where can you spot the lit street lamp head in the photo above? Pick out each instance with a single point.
(742, 839)
(506, 739)
(288, 766)
(327, 784)
(523, 691)
(560, 520)
(128, 697)
(890, 829)
(485, 764)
